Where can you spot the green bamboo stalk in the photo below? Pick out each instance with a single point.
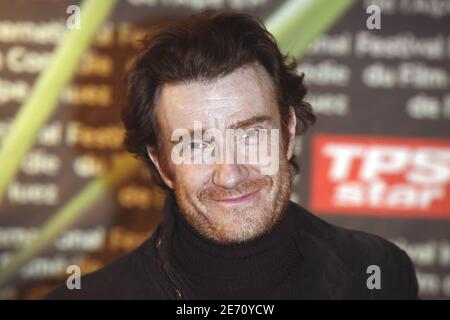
(123, 168)
(45, 93)
(298, 22)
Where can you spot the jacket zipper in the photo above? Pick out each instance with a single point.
(178, 291)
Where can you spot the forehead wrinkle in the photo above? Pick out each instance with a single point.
(230, 95)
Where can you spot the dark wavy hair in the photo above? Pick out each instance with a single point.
(205, 46)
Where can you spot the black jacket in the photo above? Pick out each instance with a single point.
(334, 264)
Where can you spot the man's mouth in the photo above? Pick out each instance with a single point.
(242, 199)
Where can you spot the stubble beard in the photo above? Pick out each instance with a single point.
(238, 224)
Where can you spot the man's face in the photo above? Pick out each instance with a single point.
(226, 202)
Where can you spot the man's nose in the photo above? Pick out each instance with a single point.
(229, 176)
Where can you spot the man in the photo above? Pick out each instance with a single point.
(229, 229)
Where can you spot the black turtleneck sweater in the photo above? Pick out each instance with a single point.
(261, 268)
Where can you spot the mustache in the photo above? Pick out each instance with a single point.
(246, 187)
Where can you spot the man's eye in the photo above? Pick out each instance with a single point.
(251, 133)
(195, 145)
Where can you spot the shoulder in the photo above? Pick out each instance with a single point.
(365, 258)
(128, 277)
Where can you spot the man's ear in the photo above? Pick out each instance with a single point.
(156, 161)
(291, 131)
